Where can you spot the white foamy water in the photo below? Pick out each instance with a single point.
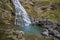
(21, 17)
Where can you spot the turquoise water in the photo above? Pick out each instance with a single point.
(32, 30)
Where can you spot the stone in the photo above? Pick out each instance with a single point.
(56, 38)
(18, 35)
(9, 31)
(21, 34)
(14, 37)
(6, 16)
(56, 33)
(53, 7)
(45, 33)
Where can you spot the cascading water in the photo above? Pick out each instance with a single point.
(21, 17)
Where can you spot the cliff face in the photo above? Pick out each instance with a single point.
(35, 8)
(39, 8)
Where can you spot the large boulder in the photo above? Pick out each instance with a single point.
(55, 33)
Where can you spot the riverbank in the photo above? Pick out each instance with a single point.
(6, 27)
(7, 30)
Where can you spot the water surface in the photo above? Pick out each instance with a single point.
(32, 30)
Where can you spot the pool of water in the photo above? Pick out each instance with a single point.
(32, 30)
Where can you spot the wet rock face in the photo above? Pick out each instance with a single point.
(55, 33)
(52, 7)
(47, 24)
(58, 26)
(50, 28)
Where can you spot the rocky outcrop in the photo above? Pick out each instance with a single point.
(55, 33)
(15, 35)
(50, 28)
(46, 24)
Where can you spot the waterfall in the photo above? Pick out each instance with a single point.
(21, 16)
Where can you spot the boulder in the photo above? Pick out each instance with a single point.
(52, 7)
(19, 34)
(55, 33)
(45, 33)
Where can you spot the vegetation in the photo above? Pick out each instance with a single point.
(35, 8)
